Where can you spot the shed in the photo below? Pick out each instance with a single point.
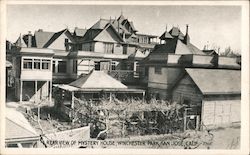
(18, 131)
(215, 94)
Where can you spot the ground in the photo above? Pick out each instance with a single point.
(222, 138)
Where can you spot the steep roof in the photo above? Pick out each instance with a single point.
(100, 24)
(54, 37)
(165, 35)
(216, 81)
(97, 80)
(138, 55)
(17, 126)
(175, 31)
(42, 37)
(178, 47)
(92, 34)
(79, 32)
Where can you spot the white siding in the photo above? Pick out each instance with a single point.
(222, 112)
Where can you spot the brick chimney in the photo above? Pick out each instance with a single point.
(187, 38)
(29, 39)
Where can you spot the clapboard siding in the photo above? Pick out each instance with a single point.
(186, 89)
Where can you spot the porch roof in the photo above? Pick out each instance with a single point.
(92, 90)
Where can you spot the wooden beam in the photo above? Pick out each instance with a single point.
(36, 98)
(50, 92)
(21, 90)
(72, 100)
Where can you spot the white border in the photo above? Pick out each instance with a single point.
(245, 80)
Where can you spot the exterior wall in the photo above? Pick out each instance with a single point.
(99, 47)
(88, 46)
(118, 49)
(129, 50)
(69, 69)
(161, 83)
(59, 43)
(186, 89)
(84, 66)
(221, 112)
(36, 74)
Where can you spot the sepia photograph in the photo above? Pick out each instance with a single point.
(123, 76)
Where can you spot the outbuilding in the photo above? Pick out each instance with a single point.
(212, 96)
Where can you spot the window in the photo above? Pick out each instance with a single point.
(45, 64)
(37, 63)
(113, 65)
(62, 66)
(108, 48)
(157, 70)
(27, 63)
(97, 66)
(54, 66)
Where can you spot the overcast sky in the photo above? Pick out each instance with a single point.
(217, 25)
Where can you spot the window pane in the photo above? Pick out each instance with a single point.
(27, 63)
(36, 64)
(45, 64)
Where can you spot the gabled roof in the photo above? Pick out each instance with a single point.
(216, 81)
(175, 31)
(165, 35)
(42, 37)
(54, 37)
(20, 42)
(79, 32)
(137, 55)
(178, 47)
(17, 126)
(97, 80)
(91, 34)
(100, 24)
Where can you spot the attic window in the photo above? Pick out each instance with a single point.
(157, 70)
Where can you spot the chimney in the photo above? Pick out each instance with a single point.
(166, 27)
(29, 39)
(187, 38)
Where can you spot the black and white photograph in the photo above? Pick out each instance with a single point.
(108, 76)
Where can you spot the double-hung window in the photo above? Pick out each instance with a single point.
(27, 63)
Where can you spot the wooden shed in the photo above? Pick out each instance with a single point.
(212, 96)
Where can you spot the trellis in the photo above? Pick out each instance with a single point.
(120, 112)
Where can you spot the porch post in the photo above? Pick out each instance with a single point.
(21, 91)
(110, 97)
(72, 99)
(36, 91)
(50, 92)
(143, 97)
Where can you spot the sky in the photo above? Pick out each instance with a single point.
(218, 26)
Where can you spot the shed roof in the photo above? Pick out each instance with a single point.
(97, 80)
(216, 81)
(17, 126)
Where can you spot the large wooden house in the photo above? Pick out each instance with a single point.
(167, 62)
